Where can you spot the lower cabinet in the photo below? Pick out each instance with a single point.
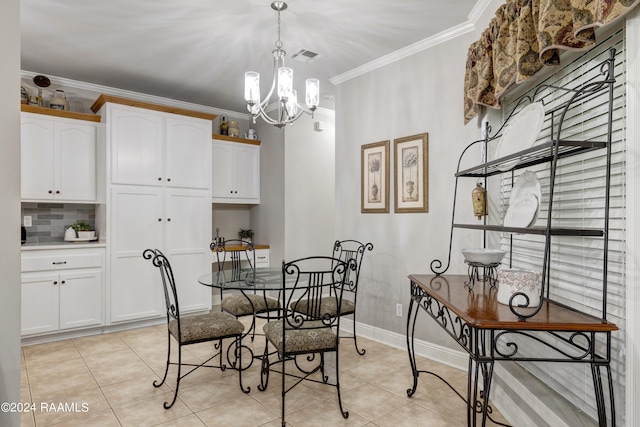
(178, 222)
(62, 290)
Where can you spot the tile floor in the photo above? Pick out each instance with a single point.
(106, 380)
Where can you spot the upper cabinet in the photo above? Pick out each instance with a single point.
(158, 149)
(236, 172)
(58, 160)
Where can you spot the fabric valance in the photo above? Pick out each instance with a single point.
(526, 35)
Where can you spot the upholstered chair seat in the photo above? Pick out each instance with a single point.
(248, 304)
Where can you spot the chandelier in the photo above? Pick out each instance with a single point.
(288, 110)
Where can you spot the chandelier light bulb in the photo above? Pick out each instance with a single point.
(292, 104)
(252, 87)
(285, 82)
(313, 93)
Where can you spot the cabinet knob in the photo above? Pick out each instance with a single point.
(57, 191)
(55, 282)
(50, 191)
(168, 179)
(63, 282)
(159, 219)
(168, 219)
(159, 178)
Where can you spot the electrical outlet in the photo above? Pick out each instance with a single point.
(399, 310)
(27, 221)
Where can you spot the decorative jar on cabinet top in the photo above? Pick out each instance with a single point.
(59, 101)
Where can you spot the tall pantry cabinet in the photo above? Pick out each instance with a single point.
(158, 195)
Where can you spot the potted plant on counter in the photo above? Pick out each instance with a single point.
(246, 234)
(84, 230)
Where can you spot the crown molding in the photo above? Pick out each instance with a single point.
(405, 52)
(478, 10)
(99, 89)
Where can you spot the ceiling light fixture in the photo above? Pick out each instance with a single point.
(288, 109)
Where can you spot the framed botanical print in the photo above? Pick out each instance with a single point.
(411, 164)
(374, 179)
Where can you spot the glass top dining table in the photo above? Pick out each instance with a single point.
(260, 279)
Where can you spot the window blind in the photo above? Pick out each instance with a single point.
(576, 262)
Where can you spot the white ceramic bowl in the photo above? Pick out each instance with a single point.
(483, 255)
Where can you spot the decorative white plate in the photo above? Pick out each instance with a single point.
(522, 212)
(527, 182)
(82, 239)
(520, 134)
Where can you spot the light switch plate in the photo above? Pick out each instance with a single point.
(27, 221)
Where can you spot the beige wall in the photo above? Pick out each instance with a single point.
(309, 187)
(421, 93)
(10, 209)
(267, 219)
(296, 212)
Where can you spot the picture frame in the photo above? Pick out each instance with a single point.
(411, 164)
(374, 179)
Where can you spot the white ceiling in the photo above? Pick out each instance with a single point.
(198, 50)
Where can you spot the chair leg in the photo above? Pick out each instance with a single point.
(168, 405)
(284, 392)
(264, 369)
(345, 414)
(240, 369)
(355, 338)
(166, 369)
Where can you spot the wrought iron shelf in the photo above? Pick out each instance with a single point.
(556, 231)
(539, 153)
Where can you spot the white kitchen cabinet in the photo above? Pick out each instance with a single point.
(58, 159)
(236, 172)
(158, 149)
(158, 187)
(61, 290)
(178, 222)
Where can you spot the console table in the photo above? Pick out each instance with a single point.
(490, 332)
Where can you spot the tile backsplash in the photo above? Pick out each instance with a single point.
(50, 219)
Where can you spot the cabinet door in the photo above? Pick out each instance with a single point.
(247, 171)
(39, 303)
(188, 152)
(137, 146)
(222, 180)
(137, 223)
(37, 176)
(188, 233)
(80, 299)
(75, 161)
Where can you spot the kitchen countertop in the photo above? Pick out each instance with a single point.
(62, 245)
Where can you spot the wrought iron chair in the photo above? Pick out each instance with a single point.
(186, 330)
(243, 304)
(345, 250)
(304, 282)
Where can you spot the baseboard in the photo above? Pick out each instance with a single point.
(520, 397)
(86, 332)
(445, 355)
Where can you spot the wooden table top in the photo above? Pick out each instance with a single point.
(242, 248)
(480, 309)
